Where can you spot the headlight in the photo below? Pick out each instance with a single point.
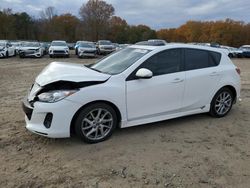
(54, 96)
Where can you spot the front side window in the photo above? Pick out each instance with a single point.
(199, 59)
(166, 62)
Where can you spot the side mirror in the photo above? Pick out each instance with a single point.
(144, 73)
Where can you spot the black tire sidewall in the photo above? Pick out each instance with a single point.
(82, 115)
(212, 107)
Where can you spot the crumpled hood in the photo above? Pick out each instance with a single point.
(59, 71)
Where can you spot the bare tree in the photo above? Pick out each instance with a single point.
(48, 13)
(96, 15)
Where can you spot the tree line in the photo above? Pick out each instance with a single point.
(97, 21)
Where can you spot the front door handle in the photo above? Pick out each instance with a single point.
(177, 80)
(214, 74)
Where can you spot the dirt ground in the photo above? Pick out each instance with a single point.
(195, 151)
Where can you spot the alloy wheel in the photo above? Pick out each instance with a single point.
(223, 103)
(97, 124)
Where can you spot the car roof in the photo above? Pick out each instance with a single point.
(245, 46)
(58, 41)
(177, 45)
(2, 41)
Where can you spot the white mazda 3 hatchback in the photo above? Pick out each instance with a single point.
(136, 85)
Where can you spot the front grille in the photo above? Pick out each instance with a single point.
(30, 52)
(59, 51)
(89, 52)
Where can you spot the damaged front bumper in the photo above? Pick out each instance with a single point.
(45, 119)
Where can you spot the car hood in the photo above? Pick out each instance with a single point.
(107, 46)
(29, 48)
(59, 71)
(85, 48)
(58, 48)
(2, 47)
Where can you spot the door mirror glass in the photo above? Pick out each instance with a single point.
(144, 73)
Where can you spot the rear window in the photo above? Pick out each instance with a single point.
(199, 59)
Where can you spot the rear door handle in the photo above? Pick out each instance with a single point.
(177, 80)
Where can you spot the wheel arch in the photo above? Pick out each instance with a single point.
(118, 113)
(232, 89)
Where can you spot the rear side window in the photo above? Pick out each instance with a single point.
(214, 58)
(199, 59)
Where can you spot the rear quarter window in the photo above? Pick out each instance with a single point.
(199, 59)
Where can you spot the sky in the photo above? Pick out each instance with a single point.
(154, 13)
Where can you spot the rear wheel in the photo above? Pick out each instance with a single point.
(96, 123)
(222, 103)
(7, 53)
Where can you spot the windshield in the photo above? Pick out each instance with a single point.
(245, 48)
(30, 44)
(119, 61)
(58, 44)
(105, 43)
(87, 45)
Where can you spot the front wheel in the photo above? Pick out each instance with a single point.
(221, 103)
(96, 123)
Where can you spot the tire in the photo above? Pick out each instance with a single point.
(93, 128)
(21, 55)
(99, 51)
(51, 56)
(230, 55)
(221, 103)
(7, 54)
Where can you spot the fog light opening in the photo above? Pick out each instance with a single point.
(48, 120)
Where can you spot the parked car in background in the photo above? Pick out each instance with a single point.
(122, 46)
(6, 49)
(233, 52)
(153, 42)
(105, 47)
(87, 49)
(58, 48)
(117, 46)
(16, 45)
(76, 46)
(246, 50)
(30, 49)
(71, 46)
(45, 46)
(133, 86)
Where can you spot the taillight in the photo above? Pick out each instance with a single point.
(238, 70)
